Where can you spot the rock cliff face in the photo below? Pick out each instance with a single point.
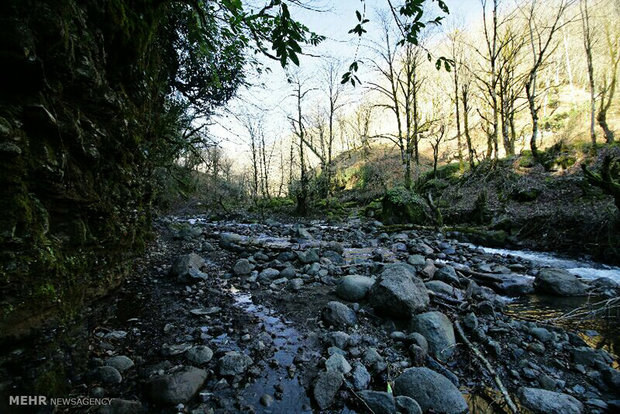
(77, 122)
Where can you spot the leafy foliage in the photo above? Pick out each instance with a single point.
(409, 20)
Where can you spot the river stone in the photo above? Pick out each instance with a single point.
(407, 405)
(230, 240)
(360, 377)
(119, 406)
(447, 274)
(559, 282)
(308, 256)
(444, 289)
(339, 315)
(199, 355)
(333, 257)
(243, 267)
(326, 386)
(438, 331)
(120, 362)
(549, 402)
(430, 390)
(234, 363)
(108, 375)
(178, 387)
(513, 284)
(398, 292)
(379, 402)
(353, 288)
(338, 363)
(335, 246)
(339, 339)
(268, 275)
(417, 261)
(186, 268)
(542, 334)
(288, 272)
(418, 339)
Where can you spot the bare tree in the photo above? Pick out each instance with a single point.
(465, 99)
(510, 83)
(400, 68)
(540, 38)
(298, 123)
(588, 36)
(608, 87)
(331, 73)
(456, 51)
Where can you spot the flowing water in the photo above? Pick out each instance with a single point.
(601, 331)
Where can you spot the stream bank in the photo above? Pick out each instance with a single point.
(282, 317)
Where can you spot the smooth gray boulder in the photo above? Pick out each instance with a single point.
(108, 375)
(559, 282)
(398, 292)
(438, 331)
(186, 268)
(120, 362)
(339, 315)
(354, 288)
(379, 402)
(243, 267)
(549, 402)
(230, 241)
(234, 363)
(407, 405)
(199, 355)
(444, 289)
(175, 388)
(325, 388)
(430, 390)
(267, 275)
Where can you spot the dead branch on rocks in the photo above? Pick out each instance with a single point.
(590, 310)
(488, 366)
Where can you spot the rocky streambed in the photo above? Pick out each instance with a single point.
(284, 318)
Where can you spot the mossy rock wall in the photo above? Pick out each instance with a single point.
(74, 120)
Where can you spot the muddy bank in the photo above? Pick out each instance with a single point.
(274, 317)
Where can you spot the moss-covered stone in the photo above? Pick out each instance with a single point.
(400, 205)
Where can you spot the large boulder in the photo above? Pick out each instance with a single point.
(186, 268)
(430, 390)
(559, 282)
(175, 388)
(398, 292)
(353, 288)
(339, 315)
(438, 331)
(549, 402)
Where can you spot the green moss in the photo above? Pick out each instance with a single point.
(400, 205)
